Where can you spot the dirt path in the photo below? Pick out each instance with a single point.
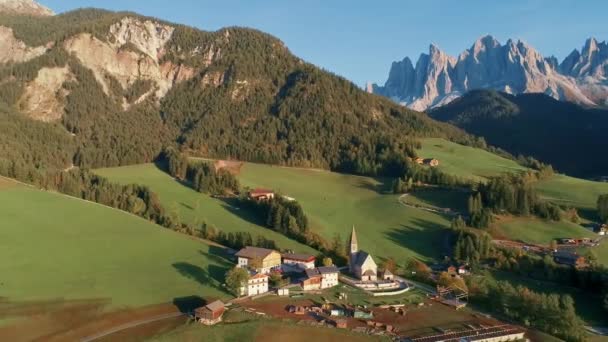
(131, 325)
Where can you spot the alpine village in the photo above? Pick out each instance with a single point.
(202, 182)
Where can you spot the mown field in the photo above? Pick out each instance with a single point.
(533, 230)
(333, 202)
(465, 161)
(57, 247)
(194, 207)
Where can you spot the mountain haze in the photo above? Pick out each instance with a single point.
(513, 68)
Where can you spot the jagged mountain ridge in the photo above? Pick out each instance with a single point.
(514, 68)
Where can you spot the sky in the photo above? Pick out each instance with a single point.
(360, 39)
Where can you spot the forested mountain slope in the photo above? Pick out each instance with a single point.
(568, 136)
(122, 86)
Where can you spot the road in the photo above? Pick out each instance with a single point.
(131, 325)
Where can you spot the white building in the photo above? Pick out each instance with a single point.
(320, 278)
(301, 261)
(329, 276)
(361, 265)
(256, 284)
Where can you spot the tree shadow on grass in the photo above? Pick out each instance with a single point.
(232, 206)
(381, 186)
(422, 237)
(213, 276)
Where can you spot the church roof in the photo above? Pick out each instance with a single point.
(361, 257)
(353, 237)
(369, 272)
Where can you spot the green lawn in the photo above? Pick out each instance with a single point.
(195, 207)
(439, 199)
(572, 191)
(465, 161)
(533, 230)
(333, 202)
(53, 246)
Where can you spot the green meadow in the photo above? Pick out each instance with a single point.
(465, 161)
(194, 207)
(576, 192)
(333, 202)
(533, 230)
(53, 246)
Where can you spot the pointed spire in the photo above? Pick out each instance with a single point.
(354, 245)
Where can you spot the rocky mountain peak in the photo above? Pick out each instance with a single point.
(515, 67)
(24, 7)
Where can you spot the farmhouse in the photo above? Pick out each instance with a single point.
(261, 194)
(210, 314)
(261, 260)
(361, 265)
(601, 229)
(569, 258)
(256, 284)
(320, 278)
(301, 261)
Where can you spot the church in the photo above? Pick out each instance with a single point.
(361, 264)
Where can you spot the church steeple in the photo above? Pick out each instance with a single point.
(354, 245)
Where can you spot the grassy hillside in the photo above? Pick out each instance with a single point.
(538, 231)
(333, 202)
(465, 161)
(194, 207)
(572, 191)
(53, 246)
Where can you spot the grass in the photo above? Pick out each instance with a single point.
(533, 230)
(579, 193)
(464, 161)
(439, 199)
(262, 330)
(333, 202)
(53, 246)
(194, 207)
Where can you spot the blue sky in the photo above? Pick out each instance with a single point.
(360, 39)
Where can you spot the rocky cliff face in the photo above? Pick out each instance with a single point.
(24, 7)
(514, 68)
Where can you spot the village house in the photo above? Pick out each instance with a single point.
(320, 278)
(299, 261)
(211, 313)
(601, 229)
(418, 160)
(569, 258)
(256, 284)
(386, 275)
(361, 264)
(261, 260)
(261, 194)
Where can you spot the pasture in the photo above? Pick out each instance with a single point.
(333, 202)
(575, 192)
(193, 207)
(56, 247)
(464, 161)
(538, 231)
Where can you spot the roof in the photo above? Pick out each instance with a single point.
(258, 276)
(470, 335)
(353, 237)
(215, 306)
(313, 272)
(328, 269)
(260, 192)
(361, 257)
(299, 257)
(254, 252)
(387, 272)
